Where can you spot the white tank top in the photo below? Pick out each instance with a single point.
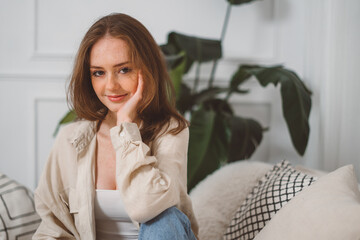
(112, 221)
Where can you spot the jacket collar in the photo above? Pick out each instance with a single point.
(83, 134)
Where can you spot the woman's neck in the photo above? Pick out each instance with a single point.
(110, 121)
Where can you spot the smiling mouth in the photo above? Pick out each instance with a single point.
(116, 98)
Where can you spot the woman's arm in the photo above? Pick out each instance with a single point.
(149, 182)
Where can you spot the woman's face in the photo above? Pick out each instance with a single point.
(113, 75)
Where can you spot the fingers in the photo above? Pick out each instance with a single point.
(140, 86)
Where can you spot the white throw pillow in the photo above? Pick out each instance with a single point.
(329, 209)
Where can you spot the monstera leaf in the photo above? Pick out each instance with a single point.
(177, 72)
(196, 49)
(208, 143)
(246, 135)
(296, 101)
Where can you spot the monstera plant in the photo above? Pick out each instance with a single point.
(217, 135)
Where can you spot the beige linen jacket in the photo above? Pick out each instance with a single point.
(150, 178)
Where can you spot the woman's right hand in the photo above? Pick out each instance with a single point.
(128, 112)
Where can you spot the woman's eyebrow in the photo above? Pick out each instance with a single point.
(116, 65)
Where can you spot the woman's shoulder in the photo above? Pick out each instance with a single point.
(170, 129)
(76, 130)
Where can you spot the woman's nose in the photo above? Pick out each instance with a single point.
(112, 83)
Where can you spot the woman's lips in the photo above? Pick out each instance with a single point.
(116, 98)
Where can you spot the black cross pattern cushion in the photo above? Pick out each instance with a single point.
(18, 218)
(272, 192)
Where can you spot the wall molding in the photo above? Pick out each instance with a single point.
(34, 165)
(37, 55)
(223, 63)
(33, 76)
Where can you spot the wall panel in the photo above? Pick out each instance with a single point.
(30, 110)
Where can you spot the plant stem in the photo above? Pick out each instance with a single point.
(211, 80)
(223, 31)
(227, 96)
(226, 21)
(197, 77)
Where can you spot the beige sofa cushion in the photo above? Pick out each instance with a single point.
(216, 198)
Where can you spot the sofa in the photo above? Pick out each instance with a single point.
(256, 200)
(241, 200)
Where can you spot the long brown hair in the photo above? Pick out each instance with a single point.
(157, 106)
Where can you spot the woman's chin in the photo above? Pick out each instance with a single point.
(114, 110)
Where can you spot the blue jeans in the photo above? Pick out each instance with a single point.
(171, 224)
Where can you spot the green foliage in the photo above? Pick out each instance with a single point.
(195, 49)
(209, 139)
(176, 74)
(69, 117)
(217, 135)
(238, 2)
(296, 101)
(246, 135)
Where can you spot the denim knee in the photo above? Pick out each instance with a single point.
(170, 224)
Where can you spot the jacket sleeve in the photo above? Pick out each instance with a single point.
(150, 182)
(51, 202)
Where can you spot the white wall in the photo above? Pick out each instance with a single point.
(332, 63)
(38, 40)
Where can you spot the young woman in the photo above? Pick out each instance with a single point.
(120, 171)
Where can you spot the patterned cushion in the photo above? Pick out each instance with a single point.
(272, 192)
(18, 218)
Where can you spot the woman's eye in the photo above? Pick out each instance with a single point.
(98, 73)
(125, 70)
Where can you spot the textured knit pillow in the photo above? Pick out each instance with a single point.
(18, 218)
(272, 192)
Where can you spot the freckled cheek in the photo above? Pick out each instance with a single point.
(98, 87)
(131, 85)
